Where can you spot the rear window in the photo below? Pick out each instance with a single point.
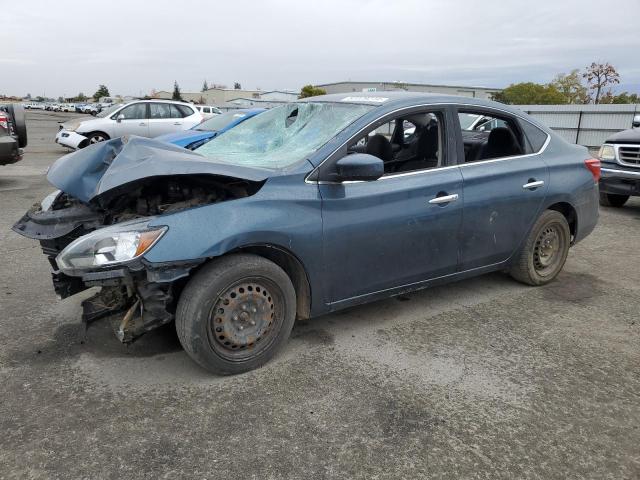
(534, 135)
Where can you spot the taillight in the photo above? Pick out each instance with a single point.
(4, 121)
(593, 164)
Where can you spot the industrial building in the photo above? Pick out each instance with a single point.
(349, 86)
(222, 97)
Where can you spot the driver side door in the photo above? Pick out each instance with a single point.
(132, 120)
(394, 232)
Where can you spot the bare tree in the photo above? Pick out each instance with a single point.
(599, 76)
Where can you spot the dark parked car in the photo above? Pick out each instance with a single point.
(620, 155)
(306, 209)
(13, 133)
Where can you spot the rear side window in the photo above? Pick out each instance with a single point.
(160, 110)
(184, 110)
(534, 135)
(487, 135)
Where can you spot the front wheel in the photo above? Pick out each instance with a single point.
(545, 250)
(611, 200)
(95, 137)
(236, 313)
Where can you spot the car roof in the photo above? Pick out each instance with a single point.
(395, 99)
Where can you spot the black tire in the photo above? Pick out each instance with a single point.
(95, 137)
(544, 252)
(16, 112)
(227, 296)
(611, 200)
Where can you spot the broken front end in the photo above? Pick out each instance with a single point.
(101, 243)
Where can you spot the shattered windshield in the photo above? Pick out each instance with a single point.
(282, 136)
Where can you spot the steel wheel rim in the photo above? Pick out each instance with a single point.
(245, 318)
(548, 250)
(96, 139)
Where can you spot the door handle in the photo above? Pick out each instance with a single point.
(178, 123)
(142, 124)
(444, 199)
(533, 185)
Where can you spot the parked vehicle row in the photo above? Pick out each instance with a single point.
(305, 209)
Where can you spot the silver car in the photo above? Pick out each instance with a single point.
(145, 118)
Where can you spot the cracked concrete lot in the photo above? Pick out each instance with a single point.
(484, 378)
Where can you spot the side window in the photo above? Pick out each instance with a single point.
(184, 111)
(175, 112)
(206, 110)
(137, 111)
(159, 111)
(488, 136)
(406, 143)
(534, 135)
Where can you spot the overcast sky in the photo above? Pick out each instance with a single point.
(67, 46)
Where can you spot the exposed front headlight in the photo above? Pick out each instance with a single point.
(109, 246)
(607, 152)
(47, 201)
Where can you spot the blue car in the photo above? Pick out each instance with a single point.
(306, 209)
(209, 129)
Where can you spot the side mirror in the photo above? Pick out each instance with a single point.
(359, 166)
(636, 122)
(120, 117)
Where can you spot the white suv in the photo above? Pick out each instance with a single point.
(145, 118)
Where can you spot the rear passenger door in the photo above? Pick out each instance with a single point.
(505, 182)
(164, 118)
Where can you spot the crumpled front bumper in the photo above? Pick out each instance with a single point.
(138, 296)
(70, 139)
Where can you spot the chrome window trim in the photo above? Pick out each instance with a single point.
(427, 170)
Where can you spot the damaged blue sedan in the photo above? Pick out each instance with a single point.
(306, 209)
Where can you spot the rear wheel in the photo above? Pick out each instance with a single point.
(545, 250)
(236, 313)
(611, 200)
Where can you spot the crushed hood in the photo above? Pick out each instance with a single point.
(96, 169)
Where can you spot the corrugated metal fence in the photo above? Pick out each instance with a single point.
(587, 125)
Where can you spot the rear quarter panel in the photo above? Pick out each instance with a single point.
(571, 182)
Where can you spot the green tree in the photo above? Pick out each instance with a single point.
(600, 76)
(81, 97)
(311, 91)
(102, 91)
(624, 97)
(237, 86)
(205, 87)
(570, 85)
(529, 93)
(176, 92)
